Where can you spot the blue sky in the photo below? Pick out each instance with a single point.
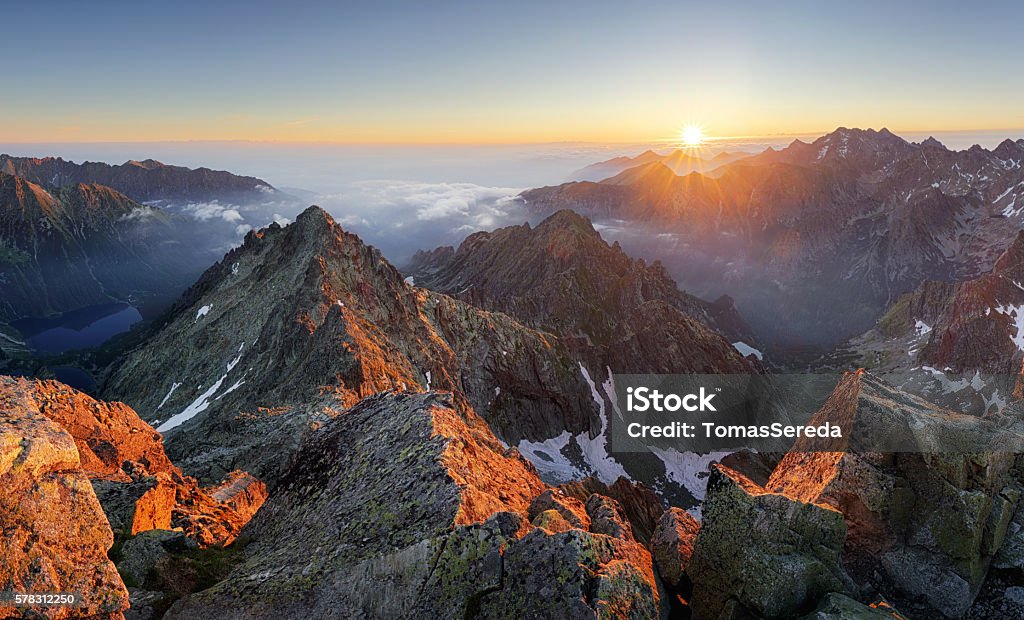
(503, 72)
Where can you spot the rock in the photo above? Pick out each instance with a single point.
(552, 521)
(571, 575)
(140, 553)
(641, 505)
(138, 486)
(56, 537)
(607, 517)
(1011, 553)
(142, 604)
(112, 440)
(341, 320)
(768, 553)
(407, 506)
(569, 508)
(921, 525)
(837, 606)
(672, 544)
(1015, 594)
(154, 508)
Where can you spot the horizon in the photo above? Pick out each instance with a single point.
(455, 73)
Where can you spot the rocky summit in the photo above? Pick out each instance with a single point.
(307, 310)
(561, 276)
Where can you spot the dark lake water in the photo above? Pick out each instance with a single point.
(78, 329)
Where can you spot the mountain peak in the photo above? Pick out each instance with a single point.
(567, 218)
(1008, 148)
(148, 164)
(931, 142)
(315, 214)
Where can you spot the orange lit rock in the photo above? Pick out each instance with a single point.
(55, 536)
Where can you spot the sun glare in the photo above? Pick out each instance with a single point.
(692, 135)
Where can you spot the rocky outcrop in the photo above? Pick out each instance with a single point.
(56, 537)
(143, 181)
(763, 553)
(308, 309)
(818, 237)
(923, 526)
(112, 440)
(407, 506)
(640, 504)
(837, 606)
(138, 486)
(563, 277)
(672, 544)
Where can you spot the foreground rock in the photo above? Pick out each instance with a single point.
(406, 506)
(55, 535)
(923, 527)
(672, 544)
(137, 485)
(763, 553)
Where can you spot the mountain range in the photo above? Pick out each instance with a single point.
(143, 181)
(82, 245)
(680, 161)
(778, 230)
(308, 431)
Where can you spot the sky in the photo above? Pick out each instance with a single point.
(503, 72)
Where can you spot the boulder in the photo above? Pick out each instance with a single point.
(569, 508)
(765, 553)
(56, 537)
(607, 517)
(140, 553)
(1011, 553)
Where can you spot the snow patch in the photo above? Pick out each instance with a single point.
(198, 406)
(203, 312)
(174, 386)
(1017, 314)
(688, 469)
(745, 349)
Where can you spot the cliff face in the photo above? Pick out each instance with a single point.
(82, 245)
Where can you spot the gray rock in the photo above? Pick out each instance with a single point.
(402, 508)
(140, 553)
(672, 544)
(837, 606)
(765, 552)
(1015, 594)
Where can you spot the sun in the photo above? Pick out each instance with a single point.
(692, 135)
